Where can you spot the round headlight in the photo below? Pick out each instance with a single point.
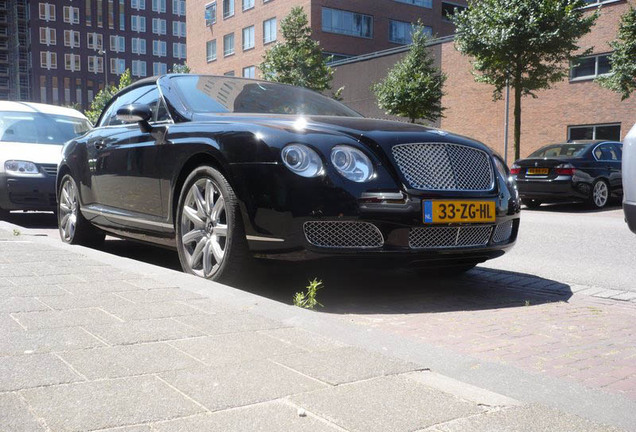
(302, 160)
(352, 164)
(20, 167)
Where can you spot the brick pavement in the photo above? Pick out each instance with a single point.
(88, 346)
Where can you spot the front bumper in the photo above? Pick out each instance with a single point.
(630, 215)
(561, 189)
(27, 193)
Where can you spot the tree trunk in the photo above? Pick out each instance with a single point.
(518, 94)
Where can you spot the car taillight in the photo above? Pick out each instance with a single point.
(515, 169)
(564, 169)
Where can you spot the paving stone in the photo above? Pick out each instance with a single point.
(229, 322)
(344, 365)
(236, 348)
(385, 404)
(159, 295)
(100, 286)
(132, 332)
(46, 340)
(133, 311)
(239, 385)
(146, 283)
(48, 280)
(33, 370)
(31, 291)
(303, 339)
(129, 360)
(266, 417)
(140, 428)
(82, 301)
(15, 415)
(108, 404)
(65, 318)
(8, 325)
(21, 304)
(529, 418)
(207, 305)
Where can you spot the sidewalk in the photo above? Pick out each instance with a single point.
(95, 342)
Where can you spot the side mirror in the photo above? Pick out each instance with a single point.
(136, 113)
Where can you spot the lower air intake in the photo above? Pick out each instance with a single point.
(343, 235)
(449, 237)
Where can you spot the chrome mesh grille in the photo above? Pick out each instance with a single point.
(444, 166)
(345, 234)
(50, 169)
(449, 237)
(502, 232)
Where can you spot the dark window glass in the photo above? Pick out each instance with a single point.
(619, 151)
(156, 105)
(604, 64)
(560, 150)
(606, 152)
(449, 9)
(110, 117)
(38, 128)
(612, 133)
(584, 67)
(208, 94)
(582, 133)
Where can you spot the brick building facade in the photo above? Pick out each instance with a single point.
(231, 36)
(576, 108)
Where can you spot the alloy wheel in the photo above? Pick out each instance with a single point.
(204, 227)
(68, 209)
(600, 194)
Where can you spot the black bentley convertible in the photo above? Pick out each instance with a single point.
(224, 169)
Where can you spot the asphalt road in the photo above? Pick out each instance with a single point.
(565, 243)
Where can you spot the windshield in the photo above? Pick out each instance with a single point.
(560, 151)
(210, 94)
(38, 128)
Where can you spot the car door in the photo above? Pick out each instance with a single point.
(609, 164)
(125, 177)
(619, 152)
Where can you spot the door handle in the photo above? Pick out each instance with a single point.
(99, 145)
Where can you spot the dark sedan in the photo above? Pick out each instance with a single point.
(224, 169)
(587, 171)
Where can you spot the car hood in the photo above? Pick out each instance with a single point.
(36, 153)
(371, 132)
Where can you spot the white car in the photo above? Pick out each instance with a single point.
(629, 179)
(31, 140)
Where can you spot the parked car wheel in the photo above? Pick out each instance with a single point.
(599, 196)
(531, 203)
(73, 226)
(210, 235)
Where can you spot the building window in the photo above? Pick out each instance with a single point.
(210, 51)
(159, 6)
(88, 12)
(117, 66)
(420, 3)
(138, 46)
(94, 41)
(72, 62)
(586, 68)
(401, 32)
(248, 38)
(159, 48)
(138, 23)
(228, 44)
(210, 14)
(249, 72)
(138, 4)
(179, 50)
(48, 60)
(159, 26)
(48, 36)
(347, 23)
(139, 68)
(179, 7)
(122, 15)
(450, 9)
(269, 30)
(228, 8)
(71, 15)
(100, 13)
(159, 68)
(71, 38)
(47, 12)
(230, 73)
(248, 4)
(179, 29)
(96, 64)
(78, 91)
(118, 44)
(595, 132)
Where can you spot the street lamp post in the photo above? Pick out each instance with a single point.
(103, 52)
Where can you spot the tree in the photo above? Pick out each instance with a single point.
(105, 95)
(299, 59)
(623, 73)
(527, 43)
(181, 68)
(414, 87)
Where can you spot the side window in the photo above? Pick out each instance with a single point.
(619, 151)
(606, 152)
(110, 117)
(154, 100)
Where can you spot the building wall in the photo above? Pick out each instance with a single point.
(49, 84)
(14, 55)
(380, 10)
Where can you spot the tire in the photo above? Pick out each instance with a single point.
(599, 195)
(4, 214)
(531, 203)
(210, 234)
(72, 225)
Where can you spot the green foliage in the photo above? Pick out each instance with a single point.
(414, 87)
(105, 95)
(528, 42)
(181, 68)
(299, 59)
(623, 74)
(308, 300)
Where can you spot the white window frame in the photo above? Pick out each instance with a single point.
(210, 19)
(232, 9)
(209, 56)
(248, 4)
(594, 128)
(596, 62)
(428, 4)
(252, 70)
(343, 31)
(226, 52)
(267, 35)
(249, 42)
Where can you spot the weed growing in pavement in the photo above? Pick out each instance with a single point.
(308, 300)
(16, 232)
(527, 302)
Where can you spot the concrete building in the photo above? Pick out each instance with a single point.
(231, 36)
(14, 55)
(68, 49)
(576, 108)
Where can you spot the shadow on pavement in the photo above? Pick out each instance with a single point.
(573, 207)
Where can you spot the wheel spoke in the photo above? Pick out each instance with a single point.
(218, 208)
(218, 252)
(65, 195)
(198, 252)
(193, 236)
(198, 198)
(207, 262)
(193, 215)
(220, 230)
(64, 207)
(209, 196)
(64, 221)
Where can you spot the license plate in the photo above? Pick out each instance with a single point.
(538, 171)
(458, 211)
